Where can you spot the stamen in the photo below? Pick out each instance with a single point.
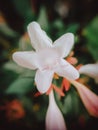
(65, 84)
(58, 90)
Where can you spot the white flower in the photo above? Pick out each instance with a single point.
(54, 118)
(90, 70)
(48, 57)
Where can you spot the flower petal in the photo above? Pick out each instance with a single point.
(26, 59)
(54, 118)
(66, 70)
(89, 99)
(38, 37)
(43, 80)
(64, 44)
(90, 70)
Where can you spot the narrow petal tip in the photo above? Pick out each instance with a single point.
(71, 35)
(15, 55)
(32, 24)
(39, 39)
(25, 59)
(64, 44)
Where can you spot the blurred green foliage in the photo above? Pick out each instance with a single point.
(18, 83)
(91, 34)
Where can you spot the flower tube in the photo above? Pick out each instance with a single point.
(54, 117)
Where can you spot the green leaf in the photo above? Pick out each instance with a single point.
(25, 45)
(91, 34)
(72, 28)
(42, 19)
(23, 6)
(58, 24)
(70, 104)
(20, 86)
(7, 31)
(11, 66)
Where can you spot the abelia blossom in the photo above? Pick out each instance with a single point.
(47, 58)
(54, 118)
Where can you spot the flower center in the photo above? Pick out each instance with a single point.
(50, 64)
(48, 58)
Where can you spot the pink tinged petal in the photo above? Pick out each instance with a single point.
(43, 80)
(26, 59)
(39, 39)
(64, 44)
(89, 99)
(67, 70)
(54, 117)
(90, 70)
